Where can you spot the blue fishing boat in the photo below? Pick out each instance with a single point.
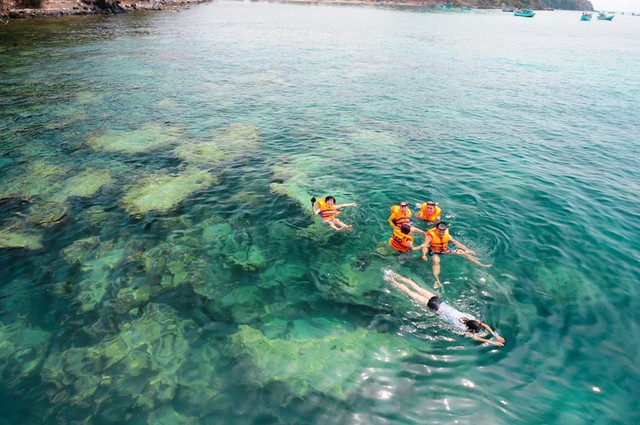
(586, 16)
(525, 13)
(604, 17)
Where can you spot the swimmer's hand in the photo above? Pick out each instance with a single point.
(499, 341)
(313, 199)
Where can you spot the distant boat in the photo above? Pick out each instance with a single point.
(508, 10)
(586, 16)
(604, 17)
(525, 13)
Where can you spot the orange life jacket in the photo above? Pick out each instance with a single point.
(439, 244)
(326, 212)
(433, 217)
(399, 240)
(398, 218)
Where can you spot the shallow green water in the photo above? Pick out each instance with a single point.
(215, 298)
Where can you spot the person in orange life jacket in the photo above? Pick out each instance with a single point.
(402, 215)
(463, 321)
(436, 243)
(329, 211)
(429, 212)
(402, 241)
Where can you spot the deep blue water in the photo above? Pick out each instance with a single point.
(216, 297)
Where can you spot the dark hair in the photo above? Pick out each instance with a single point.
(474, 325)
(434, 303)
(431, 203)
(405, 228)
(330, 197)
(441, 225)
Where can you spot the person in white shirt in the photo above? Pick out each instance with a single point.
(463, 321)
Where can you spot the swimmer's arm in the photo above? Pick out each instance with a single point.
(492, 332)
(345, 205)
(419, 231)
(391, 223)
(475, 337)
(314, 207)
(460, 245)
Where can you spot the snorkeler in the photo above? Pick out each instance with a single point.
(436, 243)
(328, 212)
(463, 321)
(402, 241)
(401, 214)
(429, 212)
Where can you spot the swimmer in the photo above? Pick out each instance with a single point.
(329, 211)
(402, 241)
(429, 212)
(436, 243)
(463, 321)
(401, 214)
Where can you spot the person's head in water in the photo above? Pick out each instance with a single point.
(431, 207)
(472, 325)
(441, 227)
(330, 200)
(405, 228)
(404, 206)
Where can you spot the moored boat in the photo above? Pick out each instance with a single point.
(586, 16)
(525, 13)
(604, 17)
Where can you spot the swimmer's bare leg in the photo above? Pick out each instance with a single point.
(471, 258)
(435, 268)
(415, 297)
(420, 290)
(333, 225)
(342, 225)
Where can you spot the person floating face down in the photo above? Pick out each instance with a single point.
(329, 211)
(436, 243)
(429, 212)
(463, 321)
(402, 241)
(401, 214)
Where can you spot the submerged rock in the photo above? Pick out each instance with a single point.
(226, 145)
(13, 238)
(84, 184)
(140, 365)
(150, 136)
(333, 364)
(234, 244)
(22, 351)
(162, 192)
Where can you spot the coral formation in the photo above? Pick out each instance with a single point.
(226, 145)
(150, 136)
(22, 350)
(162, 192)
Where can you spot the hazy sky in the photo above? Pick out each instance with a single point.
(617, 5)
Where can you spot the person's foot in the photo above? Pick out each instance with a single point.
(348, 227)
(437, 284)
(424, 258)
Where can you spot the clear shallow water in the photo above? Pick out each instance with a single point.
(232, 306)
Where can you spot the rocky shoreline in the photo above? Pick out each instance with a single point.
(20, 9)
(15, 9)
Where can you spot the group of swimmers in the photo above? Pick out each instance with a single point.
(436, 243)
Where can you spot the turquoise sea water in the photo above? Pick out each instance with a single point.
(160, 263)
